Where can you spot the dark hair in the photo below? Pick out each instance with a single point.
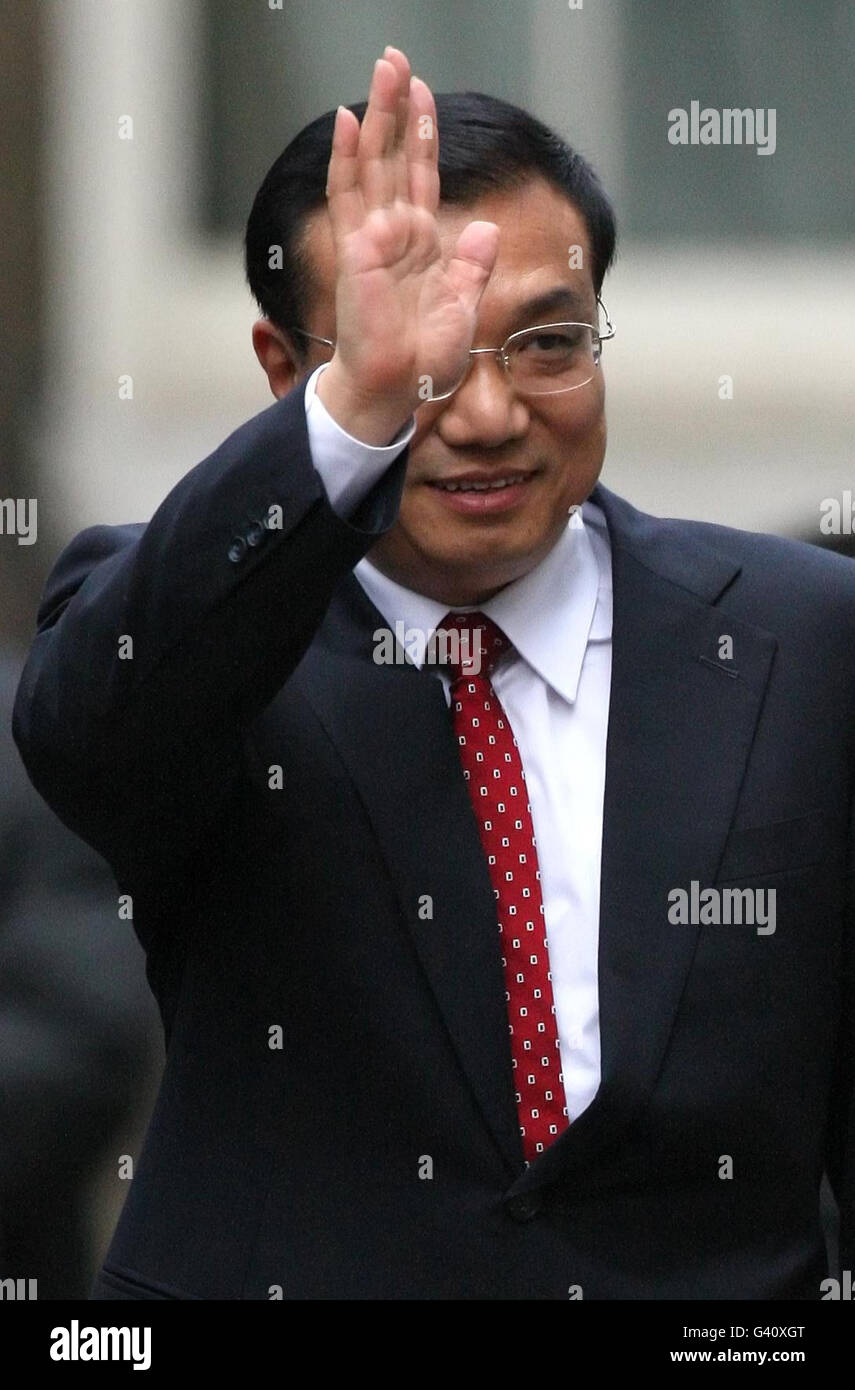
(485, 145)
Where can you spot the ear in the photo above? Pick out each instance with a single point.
(278, 359)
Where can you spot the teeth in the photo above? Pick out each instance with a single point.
(477, 487)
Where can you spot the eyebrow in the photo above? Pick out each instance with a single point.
(561, 297)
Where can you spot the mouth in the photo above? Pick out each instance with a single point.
(474, 492)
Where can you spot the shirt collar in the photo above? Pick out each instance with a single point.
(549, 614)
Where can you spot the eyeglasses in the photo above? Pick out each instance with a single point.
(540, 361)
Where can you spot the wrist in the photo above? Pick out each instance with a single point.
(372, 419)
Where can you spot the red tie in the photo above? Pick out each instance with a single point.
(494, 774)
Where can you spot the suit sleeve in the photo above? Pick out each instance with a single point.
(157, 646)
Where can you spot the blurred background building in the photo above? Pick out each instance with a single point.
(121, 257)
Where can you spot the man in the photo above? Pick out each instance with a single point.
(507, 966)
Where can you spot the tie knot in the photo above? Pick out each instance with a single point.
(470, 643)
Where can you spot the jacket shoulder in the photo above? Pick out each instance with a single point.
(775, 570)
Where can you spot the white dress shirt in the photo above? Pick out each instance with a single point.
(554, 687)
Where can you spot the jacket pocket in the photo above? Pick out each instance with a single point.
(757, 850)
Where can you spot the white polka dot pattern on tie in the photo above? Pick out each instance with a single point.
(495, 779)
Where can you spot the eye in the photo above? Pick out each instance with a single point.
(552, 343)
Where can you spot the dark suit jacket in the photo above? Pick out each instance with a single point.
(297, 908)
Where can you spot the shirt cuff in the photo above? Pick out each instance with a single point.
(347, 467)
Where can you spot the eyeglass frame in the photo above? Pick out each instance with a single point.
(502, 352)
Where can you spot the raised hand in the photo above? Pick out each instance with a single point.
(402, 313)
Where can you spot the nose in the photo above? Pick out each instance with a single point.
(484, 409)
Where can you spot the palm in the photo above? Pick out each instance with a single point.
(403, 314)
(403, 300)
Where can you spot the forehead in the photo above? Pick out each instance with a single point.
(539, 229)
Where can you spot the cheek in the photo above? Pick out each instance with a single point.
(426, 417)
(579, 441)
(587, 421)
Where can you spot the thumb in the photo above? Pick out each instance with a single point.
(473, 260)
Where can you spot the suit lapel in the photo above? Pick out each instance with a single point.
(681, 724)
(393, 729)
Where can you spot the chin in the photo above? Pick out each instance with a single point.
(491, 571)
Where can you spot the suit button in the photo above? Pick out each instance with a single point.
(255, 533)
(237, 550)
(523, 1208)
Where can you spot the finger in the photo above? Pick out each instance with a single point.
(473, 260)
(401, 64)
(344, 195)
(422, 147)
(377, 137)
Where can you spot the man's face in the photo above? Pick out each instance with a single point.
(462, 547)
